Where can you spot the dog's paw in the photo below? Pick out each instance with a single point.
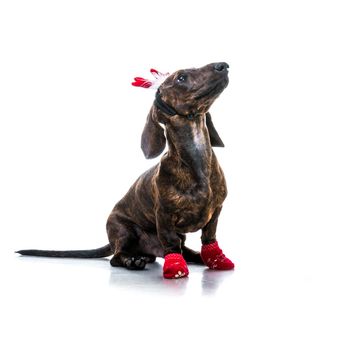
(214, 258)
(175, 266)
(150, 259)
(135, 263)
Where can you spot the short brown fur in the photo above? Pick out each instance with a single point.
(185, 191)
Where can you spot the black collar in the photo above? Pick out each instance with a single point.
(167, 109)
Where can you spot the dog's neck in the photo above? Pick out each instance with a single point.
(189, 145)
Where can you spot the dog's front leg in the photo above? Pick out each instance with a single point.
(211, 253)
(175, 265)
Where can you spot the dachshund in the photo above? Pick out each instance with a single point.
(183, 193)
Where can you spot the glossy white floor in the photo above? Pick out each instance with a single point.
(271, 301)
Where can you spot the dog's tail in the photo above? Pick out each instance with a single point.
(84, 254)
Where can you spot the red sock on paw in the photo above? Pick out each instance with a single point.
(214, 258)
(175, 266)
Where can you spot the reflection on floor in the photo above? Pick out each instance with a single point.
(149, 281)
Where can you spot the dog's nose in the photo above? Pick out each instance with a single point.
(221, 66)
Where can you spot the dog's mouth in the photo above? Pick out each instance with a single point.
(214, 90)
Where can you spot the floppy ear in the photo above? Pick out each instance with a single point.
(213, 134)
(153, 137)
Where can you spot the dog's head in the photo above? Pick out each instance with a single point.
(184, 97)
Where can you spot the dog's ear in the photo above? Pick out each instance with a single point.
(213, 134)
(153, 137)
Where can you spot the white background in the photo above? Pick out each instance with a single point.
(70, 148)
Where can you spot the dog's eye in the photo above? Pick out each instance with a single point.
(181, 78)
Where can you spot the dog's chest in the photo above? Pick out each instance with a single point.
(192, 210)
(188, 198)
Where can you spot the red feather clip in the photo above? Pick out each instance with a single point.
(141, 82)
(154, 84)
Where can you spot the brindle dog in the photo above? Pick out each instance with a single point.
(184, 192)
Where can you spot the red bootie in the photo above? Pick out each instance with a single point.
(175, 266)
(214, 258)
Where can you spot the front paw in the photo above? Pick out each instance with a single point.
(214, 258)
(175, 266)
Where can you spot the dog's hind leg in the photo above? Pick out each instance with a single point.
(149, 258)
(190, 255)
(123, 237)
(129, 261)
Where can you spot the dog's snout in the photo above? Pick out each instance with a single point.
(221, 66)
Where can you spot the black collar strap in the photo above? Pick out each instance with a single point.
(167, 109)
